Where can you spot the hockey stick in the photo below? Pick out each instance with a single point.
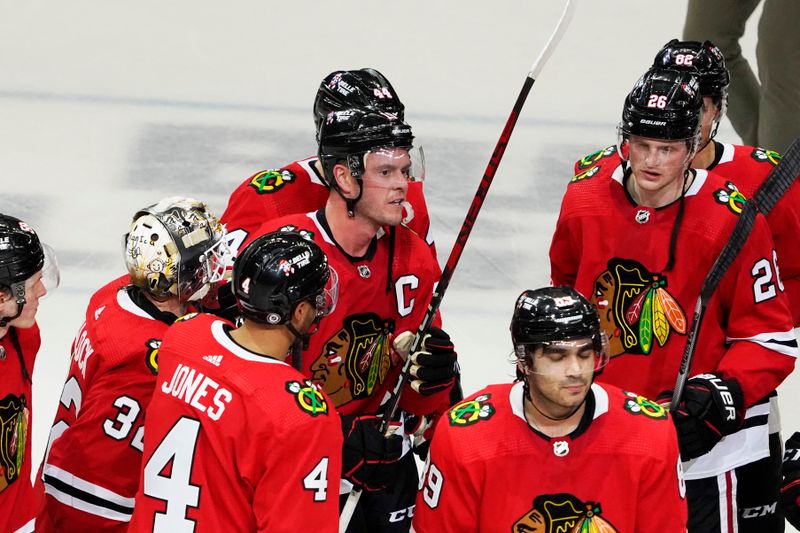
(463, 235)
(773, 188)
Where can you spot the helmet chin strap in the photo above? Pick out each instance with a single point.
(299, 345)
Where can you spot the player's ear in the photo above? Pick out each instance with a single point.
(344, 180)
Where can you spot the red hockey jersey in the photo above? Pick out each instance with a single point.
(747, 167)
(613, 251)
(489, 471)
(297, 188)
(95, 450)
(235, 441)
(17, 498)
(350, 356)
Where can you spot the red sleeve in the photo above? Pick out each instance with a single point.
(563, 259)
(308, 465)
(662, 493)
(759, 324)
(448, 499)
(784, 221)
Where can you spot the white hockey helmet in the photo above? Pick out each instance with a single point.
(176, 248)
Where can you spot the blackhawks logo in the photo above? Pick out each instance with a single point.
(761, 155)
(308, 397)
(151, 356)
(356, 359)
(14, 424)
(594, 157)
(731, 197)
(636, 309)
(270, 181)
(469, 412)
(563, 513)
(585, 175)
(639, 405)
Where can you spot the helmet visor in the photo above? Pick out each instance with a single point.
(51, 275)
(388, 163)
(325, 301)
(561, 358)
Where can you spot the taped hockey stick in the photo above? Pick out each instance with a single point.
(463, 234)
(773, 188)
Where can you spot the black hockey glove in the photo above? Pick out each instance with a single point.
(433, 367)
(790, 490)
(369, 460)
(711, 408)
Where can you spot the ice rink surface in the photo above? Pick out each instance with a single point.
(105, 108)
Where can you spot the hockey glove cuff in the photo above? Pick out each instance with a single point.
(711, 408)
(790, 489)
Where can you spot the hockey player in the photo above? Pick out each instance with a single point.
(236, 439)
(27, 271)
(175, 253)
(301, 186)
(643, 257)
(386, 277)
(586, 457)
(745, 166)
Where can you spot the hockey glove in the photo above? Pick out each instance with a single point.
(711, 408)
(433, 367)
(369, 460)
(790, 490)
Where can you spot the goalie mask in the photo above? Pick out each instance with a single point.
(557, 316)
(362, 88)
(21, 256)
(176, 248)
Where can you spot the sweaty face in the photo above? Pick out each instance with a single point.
(560, 376)
(658, 166)
(34, 289)
(385, 184)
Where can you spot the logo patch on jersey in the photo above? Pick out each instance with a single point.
(151, 357)
(14, 422)
(636, 309)
(270, 181)
(472, 411)
(307, 235)
(356, 359)
(585, 175)
(562, 513)
(731, 198)
(591, 159)
(642, 216)
(561, 448)
(639, 405)
(308, 397)
(762, 155)
(187, 316)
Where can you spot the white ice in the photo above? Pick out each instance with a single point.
(106, 107)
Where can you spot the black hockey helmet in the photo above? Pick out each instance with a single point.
(664, 104)
(362, 88)
(21, 253)
(553, 314)
(348, 135)
(279, 270)
(704, 60)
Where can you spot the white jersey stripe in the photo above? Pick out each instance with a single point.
(784, 342)
(96, 491)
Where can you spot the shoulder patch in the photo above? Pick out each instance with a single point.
(15, 421)
(471, 412)
(589, 160)
(585, 174)
(766, 156)
(270, 181)
(151, 356)
(639, 405)
(731, 198)
(308, 398)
